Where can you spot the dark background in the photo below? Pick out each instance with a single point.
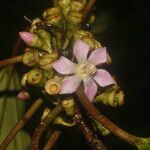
(127, 37)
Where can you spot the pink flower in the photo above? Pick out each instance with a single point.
(85, 70)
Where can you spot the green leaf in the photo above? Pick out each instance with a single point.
(11, 109)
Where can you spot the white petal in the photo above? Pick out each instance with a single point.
(103, 78)
(98, 56)
(80, 50)
(90, 88)
(70, 84)
(64, 66)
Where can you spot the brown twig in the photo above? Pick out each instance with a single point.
(21, 123)
(12, 60)
(52, 140)
(131, 139)
(91, 138)
(16, 47)
(43, 125)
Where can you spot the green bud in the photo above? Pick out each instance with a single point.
(69, 106)
(60, 121)
(33, 28)
(77, 6)
(52, 16)
(88, 38)
(64, 6)
(75, 18)
(46, 75)
(30, 58)
(41, 44)
(46, 60)
(34, 76)
(113, 97)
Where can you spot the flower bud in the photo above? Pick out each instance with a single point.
(60, 121)
(30, 58)
(75, 18)
(46, 60)
(52, 87)
(65, 6)
(88, 38)
(34, 76)
(33, 40)
(33, 28)
(77, 6)
(53, 16)
(69, 106)
(45, 113)
(113, 97)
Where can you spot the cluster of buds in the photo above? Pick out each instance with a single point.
(52, 36)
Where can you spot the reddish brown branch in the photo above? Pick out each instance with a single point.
(91, 138)
(21, 123)
(43, 125)
(103, 120)
(52, 140)
(10, 61)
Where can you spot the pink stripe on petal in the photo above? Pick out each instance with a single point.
(70, 84)
(98, 56)
(103, 78)
(27, 37)
(64, 66)
(90, 88)
(80, 50)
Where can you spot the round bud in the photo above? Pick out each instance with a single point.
(34, 76)
(30, 58)
(52, 87)
(46, 60)
(69, 106)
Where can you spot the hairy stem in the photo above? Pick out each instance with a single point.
(12, 60)
(52, 140)
(91, 138)
(131, 139)
(21, 124)
(43, 125)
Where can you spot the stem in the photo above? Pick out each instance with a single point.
(11, 61)
(131, 139)
(21, 123)
(16, 48)
(43, 125)
(91, 138)
(52, 140)
(88, 7)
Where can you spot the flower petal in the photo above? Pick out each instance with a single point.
(80, 50)
(70, 84)
(27, 37)
(98, 56)
(103, 78)
(64, 66)
(90, 88)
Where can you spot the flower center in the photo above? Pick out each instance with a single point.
(85, 69)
